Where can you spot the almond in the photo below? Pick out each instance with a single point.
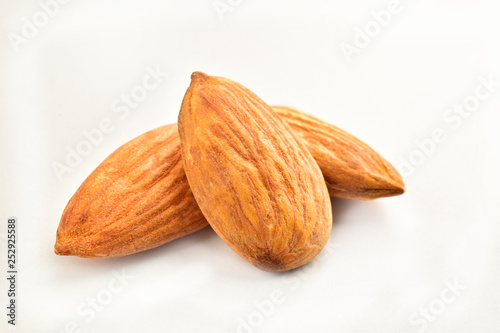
(137, 199)
(254, 180)
(352, 169)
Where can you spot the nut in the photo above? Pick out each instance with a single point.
(254, 180)
(138, 198)
(352, 169)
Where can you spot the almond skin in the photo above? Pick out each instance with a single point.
(352, 169)
(138, 198)
(254, 180)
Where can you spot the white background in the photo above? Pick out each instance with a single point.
(386, 261)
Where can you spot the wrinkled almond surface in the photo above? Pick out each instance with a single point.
(254, 180)
(352, 169)
(137, 199)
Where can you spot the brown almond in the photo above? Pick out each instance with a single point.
(254, 180)
(352, 169)
(137, 199)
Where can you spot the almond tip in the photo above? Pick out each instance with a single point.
(61, 250)
(199, 77)
(395, 190)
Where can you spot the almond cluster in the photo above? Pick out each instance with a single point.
(261, 176)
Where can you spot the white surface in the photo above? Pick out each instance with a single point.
(386, 259)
